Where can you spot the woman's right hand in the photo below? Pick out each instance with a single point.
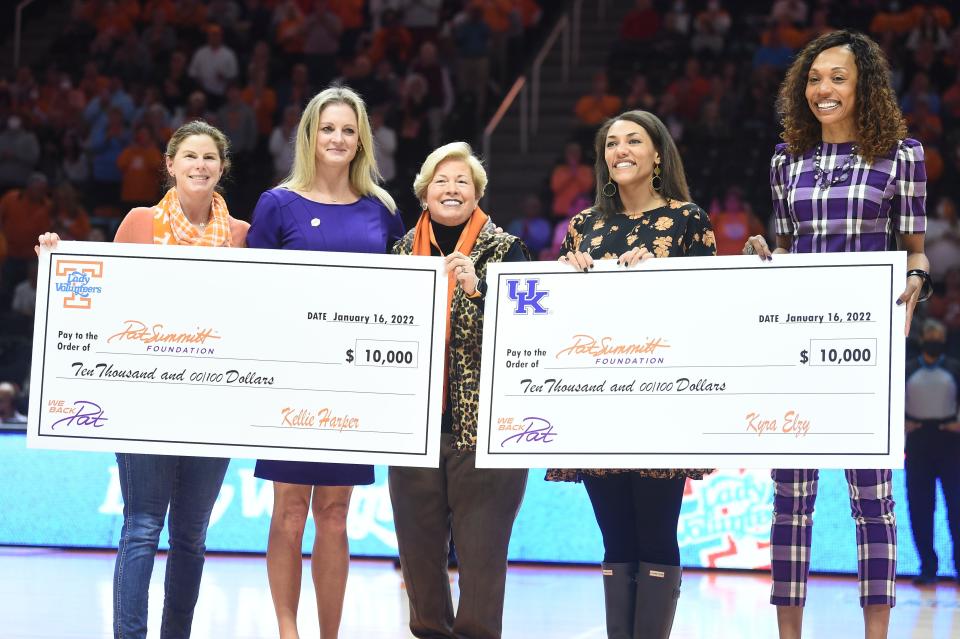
(757, 245)
(48, 241)
(578, 260)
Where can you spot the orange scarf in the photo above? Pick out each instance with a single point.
(423, 240)
(171, 226)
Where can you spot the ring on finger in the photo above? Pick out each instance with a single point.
(749, 250)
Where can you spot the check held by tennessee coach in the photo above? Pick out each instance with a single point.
(704, 362)
(226, 352)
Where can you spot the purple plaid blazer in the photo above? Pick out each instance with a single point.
(860, 212)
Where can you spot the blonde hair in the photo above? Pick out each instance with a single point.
(364, 174)
(452, 151)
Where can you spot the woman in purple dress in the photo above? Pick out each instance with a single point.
(847, 179)
(330, 202)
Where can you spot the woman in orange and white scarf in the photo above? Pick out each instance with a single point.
(191, 213)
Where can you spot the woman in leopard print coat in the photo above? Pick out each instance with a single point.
(477, 507)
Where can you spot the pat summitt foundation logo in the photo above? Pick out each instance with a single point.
(79, 286)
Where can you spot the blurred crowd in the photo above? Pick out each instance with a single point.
(82, 134)
(711, 70)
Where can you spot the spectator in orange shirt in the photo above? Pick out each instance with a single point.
(24, 215)
(262, 99)
(597, 106)
(289, 31)
(70, 219)
(690, 90)
(140, 165)
(785, 33)
(351, 17)
(733, 222)
(497, 14)
(928, 30)
(893, 20)
(570, 182)
(392, 41)
(116, 18)
(710, 28)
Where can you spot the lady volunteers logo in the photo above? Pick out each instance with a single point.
(78, 274)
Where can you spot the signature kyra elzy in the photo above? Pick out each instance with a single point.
(537, 430)
(85, 414)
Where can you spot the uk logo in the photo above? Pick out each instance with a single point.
(530, 299)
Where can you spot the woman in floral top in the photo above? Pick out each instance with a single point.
(642, 210)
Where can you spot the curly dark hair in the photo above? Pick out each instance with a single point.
(879, 121)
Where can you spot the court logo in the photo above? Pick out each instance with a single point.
(79, 274)
(529, 299)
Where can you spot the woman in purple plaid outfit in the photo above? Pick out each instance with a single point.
(847, 179)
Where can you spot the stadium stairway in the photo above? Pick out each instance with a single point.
(515, 175)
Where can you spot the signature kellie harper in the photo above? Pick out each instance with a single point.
(136, 330)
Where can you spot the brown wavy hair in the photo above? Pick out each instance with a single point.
(671, 166)
(879, 121)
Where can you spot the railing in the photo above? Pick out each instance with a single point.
(560, 30)
(567, 32)
(521, 89)
(517, 89)
(18, 30)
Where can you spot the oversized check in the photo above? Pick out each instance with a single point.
(239, 353)
(695, 363)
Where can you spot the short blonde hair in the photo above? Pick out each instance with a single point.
(364, 174)
(453, 151)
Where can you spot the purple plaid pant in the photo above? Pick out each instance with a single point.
(871, 504)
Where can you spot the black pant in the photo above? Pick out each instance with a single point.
(637, 517)
(932, 453)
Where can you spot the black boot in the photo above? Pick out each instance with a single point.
(658, 589)
(619, 595)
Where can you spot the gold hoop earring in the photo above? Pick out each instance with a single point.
(656, 181)
(609, 189)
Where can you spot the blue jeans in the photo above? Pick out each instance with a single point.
(150, 484)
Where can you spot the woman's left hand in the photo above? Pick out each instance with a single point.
(910, 296)
(463, 269)
(634, 256)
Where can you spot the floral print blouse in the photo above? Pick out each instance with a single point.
(676, 229)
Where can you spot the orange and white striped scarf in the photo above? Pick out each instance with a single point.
(171, 226)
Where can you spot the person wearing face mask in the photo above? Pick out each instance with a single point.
(191, 213)
(847, 179)
(331, 201)
(476, 506)
(933, 445)
(642, 210)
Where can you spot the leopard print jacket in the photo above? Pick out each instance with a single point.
(466, 334)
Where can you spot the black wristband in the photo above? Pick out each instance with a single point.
(926, 289)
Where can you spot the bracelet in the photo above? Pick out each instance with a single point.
(926, 289)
